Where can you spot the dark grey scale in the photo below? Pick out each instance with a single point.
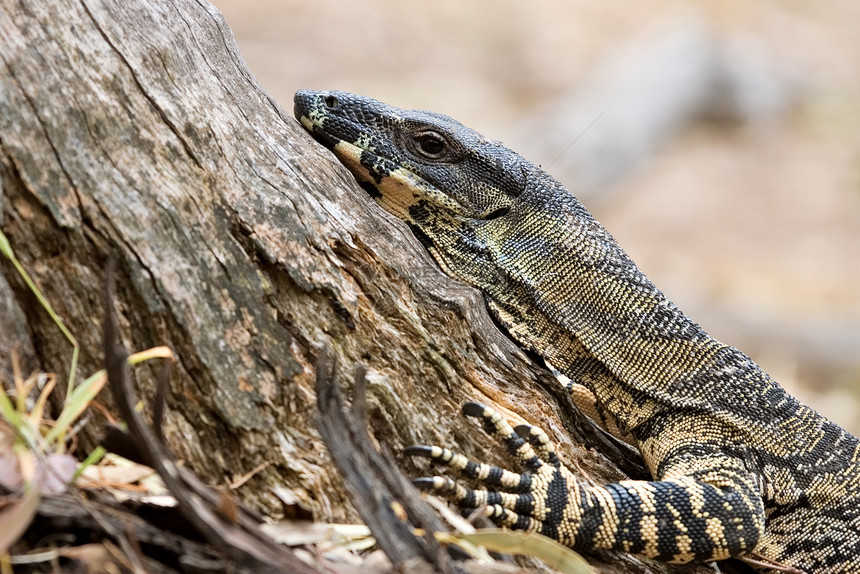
(525, 432)
(369, 161)
(593, 514)
(421, 236)
(630, 530)
(328, 143)
(836, 544)
(664, 323)
(448, 488)
(532, 463)
(522, 522)
(696, 527)
(512, 442)
(471, 470)
(492, 498)
(668, 532)
(470, 500)
(493, 477)
(585, 365)
(525, 504)
(557, 498)
(421, 211)
(371, 189)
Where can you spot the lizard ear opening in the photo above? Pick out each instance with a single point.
(496, 213)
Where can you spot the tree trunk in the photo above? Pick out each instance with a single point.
(135, 129)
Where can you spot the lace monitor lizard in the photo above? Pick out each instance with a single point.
(740, 467)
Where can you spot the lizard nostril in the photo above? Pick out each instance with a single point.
(330, 101)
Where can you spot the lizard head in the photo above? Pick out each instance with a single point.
(425, 168)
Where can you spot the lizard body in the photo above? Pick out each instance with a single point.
(739, 466)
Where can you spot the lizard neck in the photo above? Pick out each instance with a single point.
(563, 287)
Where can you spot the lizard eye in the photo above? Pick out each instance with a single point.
(429, 144)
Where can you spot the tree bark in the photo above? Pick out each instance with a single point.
(135, 129)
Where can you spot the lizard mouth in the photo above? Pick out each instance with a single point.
(317, 131)
(394, 186)
(311, 109)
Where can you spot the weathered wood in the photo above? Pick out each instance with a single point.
(235, 533)
(389, 505)
(135, 129)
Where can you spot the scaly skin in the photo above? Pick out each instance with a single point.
(739, 466)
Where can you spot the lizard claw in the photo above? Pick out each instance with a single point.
(421, 450)
(473, 409)
(438, 484)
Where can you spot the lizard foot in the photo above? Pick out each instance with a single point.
(524, 501)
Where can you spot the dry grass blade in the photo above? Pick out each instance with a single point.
(532, 544)
(16, 518)
(6, 249)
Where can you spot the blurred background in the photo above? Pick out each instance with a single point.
(719, 141)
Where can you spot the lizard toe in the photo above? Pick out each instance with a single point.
(496, 426)
(486, 475)
(540, 442)
(469, 498)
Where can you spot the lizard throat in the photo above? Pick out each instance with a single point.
(395, 188)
